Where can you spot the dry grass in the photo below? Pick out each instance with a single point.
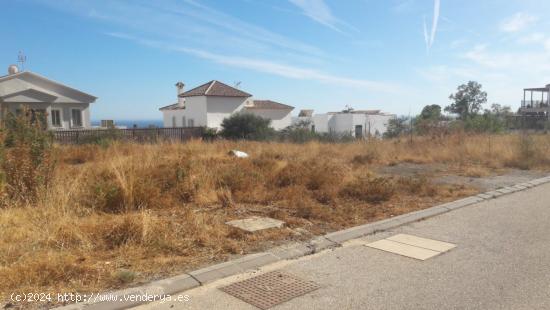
(114, 216)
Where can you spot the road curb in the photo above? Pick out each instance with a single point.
(212, 273)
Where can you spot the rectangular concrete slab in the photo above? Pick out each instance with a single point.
(216, 272)
(484, 196)
(256, 223)
(403, 249)
(254, 261)
(424, 243)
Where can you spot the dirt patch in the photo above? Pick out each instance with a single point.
(492, 182)
(412, 169)
(450, 175)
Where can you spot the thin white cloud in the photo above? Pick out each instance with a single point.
(518, 22)
(533, 38)
(426, 36)
(187, 21)
(318, 11)
(430, 39)
(522, 63)
(267, 66)
(480, 55)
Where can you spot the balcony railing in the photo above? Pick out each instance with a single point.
(534, 104)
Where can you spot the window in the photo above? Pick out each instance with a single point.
(76, 115)
(56, 118)
(183, 121)
(173, 121)
(191, 123)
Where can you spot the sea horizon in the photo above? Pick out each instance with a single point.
(130, 123)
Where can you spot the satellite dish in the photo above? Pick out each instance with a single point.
(13, 69)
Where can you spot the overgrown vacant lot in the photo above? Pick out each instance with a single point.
(120, 214)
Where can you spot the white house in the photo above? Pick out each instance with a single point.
(64, 107)
(278, 113)
(360, 123)
(209, 104)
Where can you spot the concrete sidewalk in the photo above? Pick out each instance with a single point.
(502, 261)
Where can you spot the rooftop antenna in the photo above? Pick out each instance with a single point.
(21, 58)
(237, 84)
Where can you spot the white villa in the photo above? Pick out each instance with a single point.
(209, 104)
(65, 107)
(358, 123)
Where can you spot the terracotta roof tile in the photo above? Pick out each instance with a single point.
(215, 88)
(269, 105)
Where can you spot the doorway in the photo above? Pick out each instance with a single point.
(358, 131)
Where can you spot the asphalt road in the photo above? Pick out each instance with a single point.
(502, 261)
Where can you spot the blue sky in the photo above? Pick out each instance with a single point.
(394, 55)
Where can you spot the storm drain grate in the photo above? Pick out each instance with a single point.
(270, 289)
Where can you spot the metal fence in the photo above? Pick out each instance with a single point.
(140, 135)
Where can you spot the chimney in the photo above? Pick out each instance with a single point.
(180, 87)
(13, 69)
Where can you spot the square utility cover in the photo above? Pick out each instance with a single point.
(270, 289)
(412, 246)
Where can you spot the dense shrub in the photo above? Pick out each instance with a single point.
(486, 123)
(246, 126)
(27, 161)
(397, 127)
(299, 132)
(209, 134)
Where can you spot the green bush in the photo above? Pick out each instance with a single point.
(209, 134)
(300, 132)
(397, 126)
(247, 126)
(486, 123)
(27, 163)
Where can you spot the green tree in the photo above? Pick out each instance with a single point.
(499, 110)
(431, 112)
(396, 127)
(468, 100)
(246, 126)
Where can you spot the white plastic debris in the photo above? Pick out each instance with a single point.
(238, 154)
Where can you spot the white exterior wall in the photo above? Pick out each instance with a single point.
(280, 119)
(65, 109)
(377, 124)
(344, 123)
(219, 108)
(195, 109)
(321, 122)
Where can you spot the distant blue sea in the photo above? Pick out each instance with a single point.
(131, 123)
